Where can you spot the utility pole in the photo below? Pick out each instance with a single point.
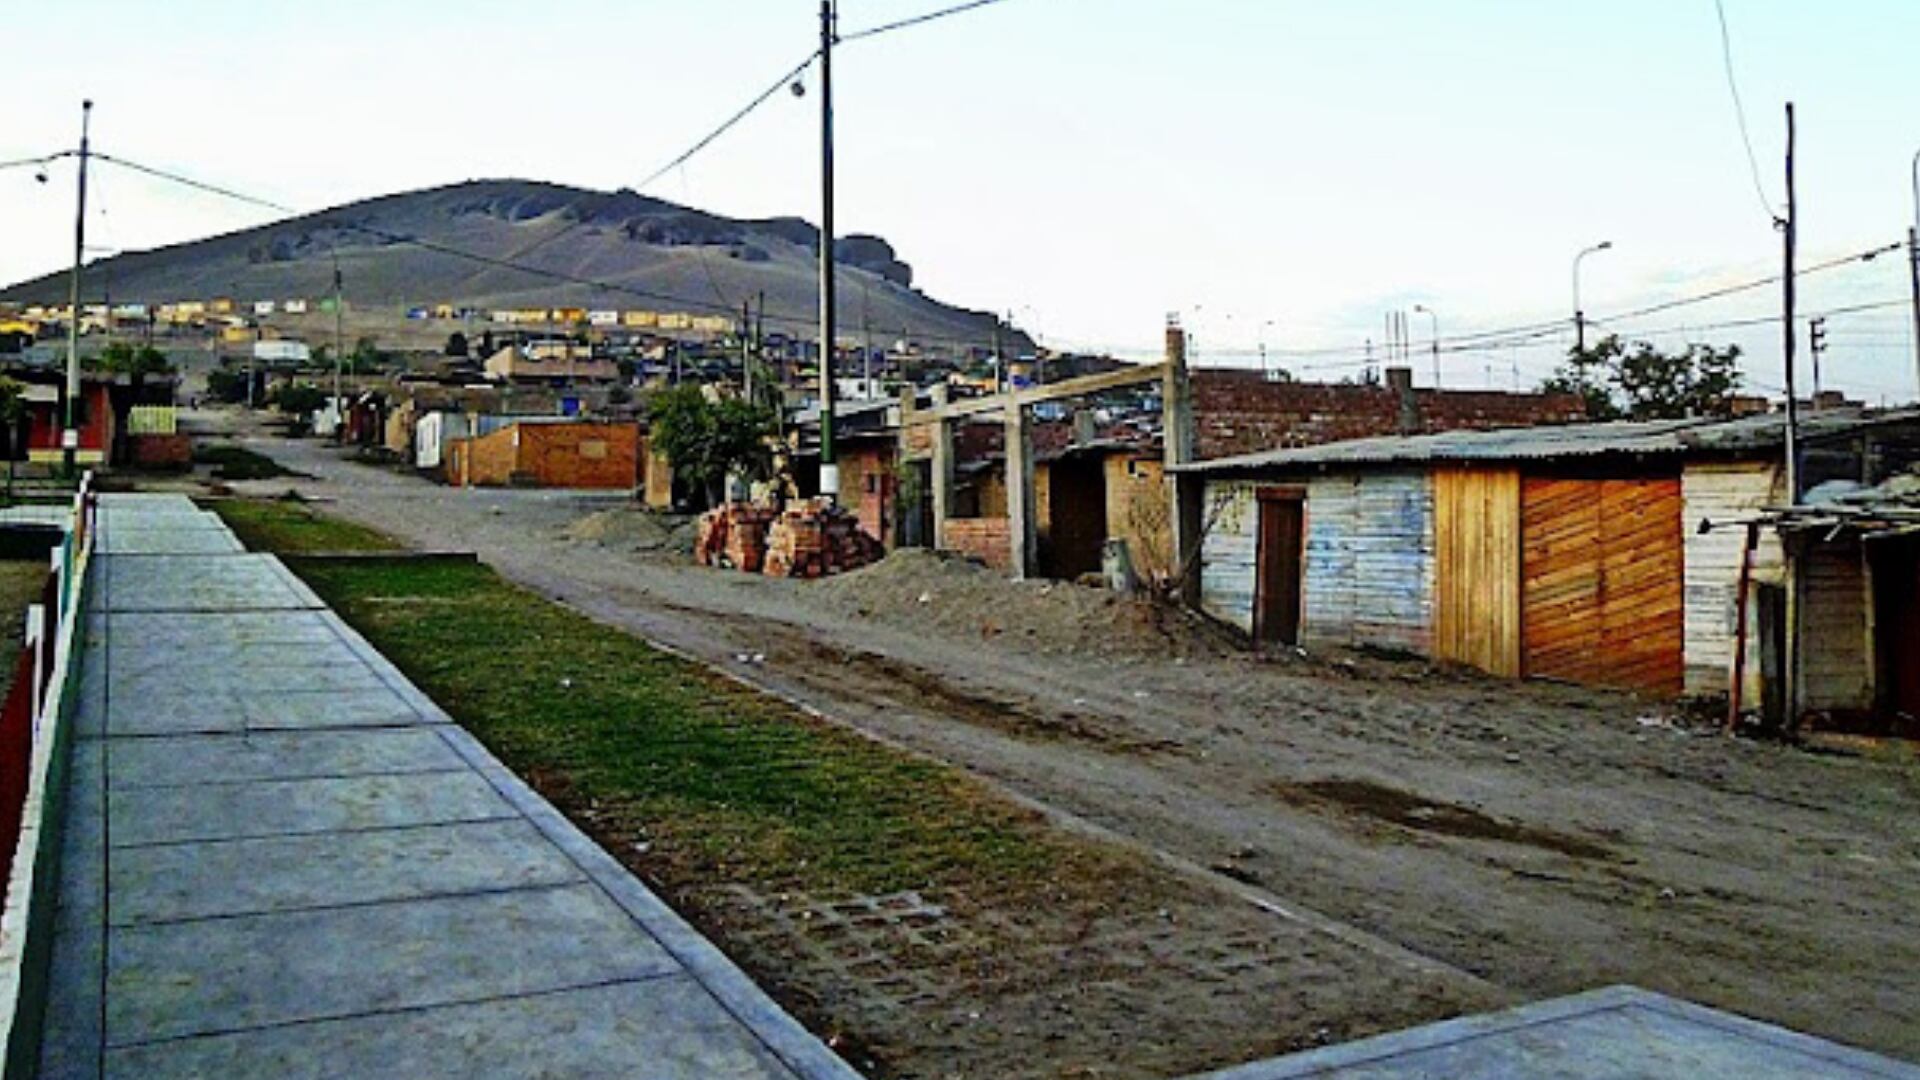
(1789, 237)
(829, 467)
(1433, 317)
(746, 350)
(1795, 578)
(339, 357)
(70, 435)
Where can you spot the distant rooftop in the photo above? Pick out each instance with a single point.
(1765, 431)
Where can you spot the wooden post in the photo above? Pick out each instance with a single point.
(1740, 628)
(942, 478)
(1022, 524)
(1183, 492)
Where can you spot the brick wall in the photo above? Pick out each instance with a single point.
(1240, 412)
(577, 455)
(985, 538)
(867, 485)
(487, 461)
(160, 451)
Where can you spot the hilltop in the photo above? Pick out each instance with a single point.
(654, 254)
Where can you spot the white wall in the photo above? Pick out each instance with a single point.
(1723, 493)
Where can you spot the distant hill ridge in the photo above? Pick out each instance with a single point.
(648, 252)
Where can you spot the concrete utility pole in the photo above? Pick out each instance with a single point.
(1816, 345)
(1579, 315)
(829, 468)
(69, 434)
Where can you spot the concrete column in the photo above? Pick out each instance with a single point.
(942, 472)
(1023, 536)
(1177, 439)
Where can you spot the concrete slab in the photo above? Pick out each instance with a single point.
(220, 975)
(185, 633)
(192, 583)
(665, 1029)
(1610, 1034)
(173, 815)
(167, 761)
(180, 711)
(176, 882)
(144, 539)
(284, 859)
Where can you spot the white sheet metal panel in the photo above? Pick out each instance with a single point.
(1724, 493)
(1369, 575)
(1228, 551)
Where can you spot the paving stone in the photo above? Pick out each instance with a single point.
(290, 807)
(665, 1029)
(73, 1037)
(174, 882)
(164, 761)
(227, 974)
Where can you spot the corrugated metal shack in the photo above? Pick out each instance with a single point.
(1573, 552)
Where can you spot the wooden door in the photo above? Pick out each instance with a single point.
(1276, 603)
(1604, 582)
(1476, 585)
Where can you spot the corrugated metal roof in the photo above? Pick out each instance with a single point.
(1619, 437)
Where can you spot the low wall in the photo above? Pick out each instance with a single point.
(986, 539)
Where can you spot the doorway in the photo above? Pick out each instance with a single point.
(1281, 544)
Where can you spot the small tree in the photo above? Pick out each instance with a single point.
(300, 401)
(457, 345)
(708, 441)
(13, 413)
(1644, 383)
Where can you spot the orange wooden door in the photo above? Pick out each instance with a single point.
(1603, 582)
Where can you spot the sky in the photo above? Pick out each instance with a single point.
(1280, 173)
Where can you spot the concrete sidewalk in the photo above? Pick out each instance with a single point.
(282, 860)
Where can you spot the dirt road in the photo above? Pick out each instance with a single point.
(1544, 838)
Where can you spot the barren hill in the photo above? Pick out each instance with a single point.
(453, 244)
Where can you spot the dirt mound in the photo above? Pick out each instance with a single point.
(633, 529)
(921, 588)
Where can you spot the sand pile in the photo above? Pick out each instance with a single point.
(917, 587)
(632, 529)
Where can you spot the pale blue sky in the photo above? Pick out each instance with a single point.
(1089, 165)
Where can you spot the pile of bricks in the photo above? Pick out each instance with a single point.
(814, 539)
(734, 536)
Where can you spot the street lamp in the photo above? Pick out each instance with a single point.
(1429, 313)
(1264, 323)
(1579, 316)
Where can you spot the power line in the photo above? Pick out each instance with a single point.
(887, 28)
(1740, 113)
(727, 124)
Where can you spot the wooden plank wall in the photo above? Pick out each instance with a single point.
(1369, 574)
(1602, 589)
(1228, 551)
(1724, 492)
(1837, 661)
(1476, 528)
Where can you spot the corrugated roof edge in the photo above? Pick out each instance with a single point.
(1621, 437)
